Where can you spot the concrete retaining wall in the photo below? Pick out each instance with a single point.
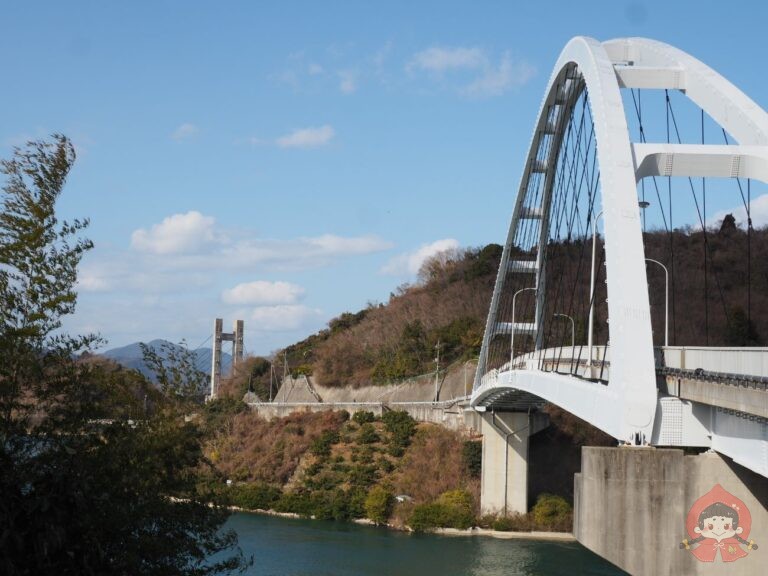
(454, 415)
(631, 506)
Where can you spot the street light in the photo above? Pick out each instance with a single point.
(512, 338)
(666, 300)
(592, 293)
(573, 329)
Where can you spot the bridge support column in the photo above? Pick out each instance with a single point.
(504, 478)
(632, 506)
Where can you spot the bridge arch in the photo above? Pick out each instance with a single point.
(627, 403)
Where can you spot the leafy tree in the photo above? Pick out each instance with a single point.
(741, 330)
(84, 490)
(378, 504)
(175, 369)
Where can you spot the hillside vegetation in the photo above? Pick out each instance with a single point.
(449, 304)
(388, 469)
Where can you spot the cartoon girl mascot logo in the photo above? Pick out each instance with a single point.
(718, 522)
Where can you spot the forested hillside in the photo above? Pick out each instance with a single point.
(449, 304)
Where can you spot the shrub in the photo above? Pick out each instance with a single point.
(321, 446)
(295, 502)
(356, 501)
(512, 523)
(401, 427)
(363, 417)
(362, 475)
(552, 511)
(378, 505)
(367, 434)
(451, 510)
(254, 496)
(472, 457)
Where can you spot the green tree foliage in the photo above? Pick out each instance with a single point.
(176, 372)
(255, 496)
(741, 330)
(378, 504)
(401, 427)
(472, 457)
(84, 490)
(363, 417)
(452, 509)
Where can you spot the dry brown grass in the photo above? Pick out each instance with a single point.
(432, 465)
(255, 450)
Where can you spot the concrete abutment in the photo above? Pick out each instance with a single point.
(631, 506)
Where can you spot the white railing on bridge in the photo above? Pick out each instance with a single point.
(744, 361)
(565, 360)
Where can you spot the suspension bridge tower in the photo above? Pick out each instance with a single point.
(219, 336)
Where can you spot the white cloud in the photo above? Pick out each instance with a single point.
(282, 318)
(314, 69)
(496, 81)
(89, 281)
(179, 233)
(440, 59)
(184, 131)
(331, 244)
(410, 262)
(347, 81)
(307, 137)
(758, 211)
(473, 69)
(262, 292)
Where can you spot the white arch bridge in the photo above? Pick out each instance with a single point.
(583, 170)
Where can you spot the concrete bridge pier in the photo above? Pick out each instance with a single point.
(638, 508)
(504, 477)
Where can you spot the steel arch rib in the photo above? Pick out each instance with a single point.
(628, 403)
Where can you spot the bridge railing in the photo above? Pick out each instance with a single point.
(744, 361)
(564, 360)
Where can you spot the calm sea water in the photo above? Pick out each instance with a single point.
(288, 547)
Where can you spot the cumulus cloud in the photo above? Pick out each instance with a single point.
(347, 82)
(440, 59)
(332, 244)
(410, 262)
(282, 318)
(193, 243)
(475, 72)
(89, 281)
(307, 137)
(262, 292)
(178, 233)
(758, 211)
(497, 80)
(184, 131)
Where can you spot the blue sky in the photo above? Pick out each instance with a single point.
(283, 162)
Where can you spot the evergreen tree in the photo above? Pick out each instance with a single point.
(84, 490)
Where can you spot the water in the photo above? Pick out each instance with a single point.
(289, 547)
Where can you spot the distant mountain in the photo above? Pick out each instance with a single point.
(130, 356)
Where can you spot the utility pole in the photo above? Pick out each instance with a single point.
(271, 378)
(437, 368)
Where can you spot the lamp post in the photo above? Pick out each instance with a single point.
(573, 328)
(573, 334)
(666, 300)
(592, 294)
(512, 337)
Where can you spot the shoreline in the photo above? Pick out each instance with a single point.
(474, 531)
